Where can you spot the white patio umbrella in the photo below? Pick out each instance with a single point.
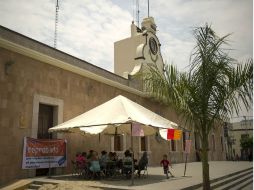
(116, 116)
(118, 112)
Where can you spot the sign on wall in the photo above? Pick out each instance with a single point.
(44, 153)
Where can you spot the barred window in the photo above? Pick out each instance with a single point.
(143, 144)
(118, 145)
(173, 145)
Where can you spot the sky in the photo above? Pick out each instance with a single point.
(88, 29)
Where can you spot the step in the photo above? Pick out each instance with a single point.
(43, 182)
(34, 186)
(247, 185)
(235, 184)
(229, 179)
(199, 186)
(37, 184)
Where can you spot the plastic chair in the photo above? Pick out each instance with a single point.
(127, 168)
(144, 172)
(110, 168)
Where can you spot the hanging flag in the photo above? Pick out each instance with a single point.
(174, 134)
(170, 134)
(177, 134)
(187, 146)
(137, 130)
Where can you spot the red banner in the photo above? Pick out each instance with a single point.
(44, 153)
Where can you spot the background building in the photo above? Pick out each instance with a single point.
(237, 131)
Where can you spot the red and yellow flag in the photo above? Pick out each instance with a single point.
(174, 134)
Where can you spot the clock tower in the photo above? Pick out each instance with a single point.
(132, 55)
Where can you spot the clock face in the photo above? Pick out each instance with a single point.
(153, 45)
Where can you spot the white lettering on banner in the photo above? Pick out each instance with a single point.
(44, 150)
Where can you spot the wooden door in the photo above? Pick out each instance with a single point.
(45, 121)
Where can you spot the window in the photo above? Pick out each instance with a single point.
(213, 142)
(117, 143)
(143, 144)
(173, 145)
(222, 144)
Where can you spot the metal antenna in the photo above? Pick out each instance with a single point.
(148, 7)
(56, 22)
(137, 12)
(133, 11)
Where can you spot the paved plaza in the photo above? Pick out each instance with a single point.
(155, 179)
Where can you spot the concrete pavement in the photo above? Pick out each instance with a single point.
(156, 179)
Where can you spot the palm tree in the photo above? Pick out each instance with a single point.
(209, 92)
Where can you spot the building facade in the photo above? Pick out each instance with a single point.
(41, 87)
(237, 131)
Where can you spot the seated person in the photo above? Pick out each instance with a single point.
(127, 163)
(94, 163)
(83, 160)
(90, 154)
(103, 160)
(114, 156)
(142, 163)
(79, 159)
(111, 164)
(111, 156)
(119, 163)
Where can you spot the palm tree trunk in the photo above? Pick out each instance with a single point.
(205, 165)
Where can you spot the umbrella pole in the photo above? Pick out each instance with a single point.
(132, 169)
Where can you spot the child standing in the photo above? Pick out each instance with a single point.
(165, 164)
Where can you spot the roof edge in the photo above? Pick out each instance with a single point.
(10, 45)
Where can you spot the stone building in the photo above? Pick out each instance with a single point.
(41, 87)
